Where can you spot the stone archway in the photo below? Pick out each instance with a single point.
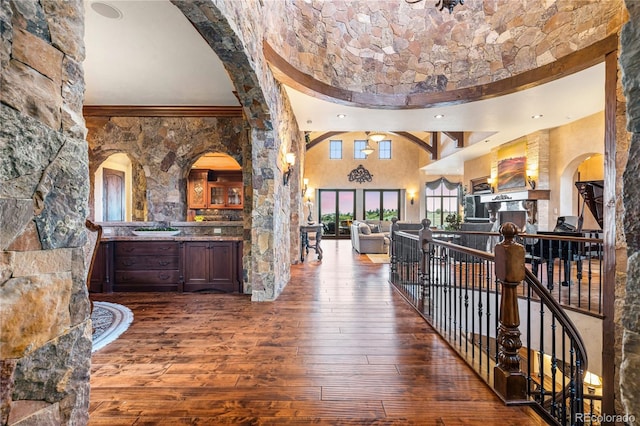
(273, 238)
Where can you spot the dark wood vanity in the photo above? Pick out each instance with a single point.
(168, 264)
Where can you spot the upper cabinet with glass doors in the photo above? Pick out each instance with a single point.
(225, 195)
(215, 190)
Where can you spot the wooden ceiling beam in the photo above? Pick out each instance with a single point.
(422, 144)
(458, 137)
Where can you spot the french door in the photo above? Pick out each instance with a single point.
(336, 211)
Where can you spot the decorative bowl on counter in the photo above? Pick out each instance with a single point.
(155, 232)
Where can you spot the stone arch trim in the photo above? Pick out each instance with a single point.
(216, 31)
(569, 64)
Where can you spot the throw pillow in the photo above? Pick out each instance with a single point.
(375, 229)
(364, 229)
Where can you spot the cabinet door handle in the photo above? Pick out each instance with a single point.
(163, 276)
(163, 262)
(128, 262)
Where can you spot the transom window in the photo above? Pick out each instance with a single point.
(384, 150)
(335, 150)
(358, 146)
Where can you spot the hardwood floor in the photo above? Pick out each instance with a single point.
(338, 347)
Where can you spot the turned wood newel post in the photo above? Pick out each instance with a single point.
(394, 255)
(425, 237)
(509, 380)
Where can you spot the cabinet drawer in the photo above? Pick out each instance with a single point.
(156, 248)
(147, 277)
(145, 263)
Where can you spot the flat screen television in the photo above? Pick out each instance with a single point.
(474, 210)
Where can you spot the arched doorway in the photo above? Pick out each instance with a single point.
(113, 201)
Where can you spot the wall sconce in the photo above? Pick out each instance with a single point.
(491, 181)
(291, 160)
(305, 182)
(530, 179)
(592, 381)
(412, 196)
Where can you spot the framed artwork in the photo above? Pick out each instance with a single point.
(512, 166)
(480, 185)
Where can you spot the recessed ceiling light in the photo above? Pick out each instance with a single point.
(106, 10)
(438, 116)
(535, 117)
(342, 115)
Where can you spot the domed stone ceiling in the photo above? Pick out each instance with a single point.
(396, 49)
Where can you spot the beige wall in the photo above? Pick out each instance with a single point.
(476, 168)
(569, 146)
(402, 171)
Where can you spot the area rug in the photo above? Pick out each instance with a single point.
(109, 320)
(378, 258)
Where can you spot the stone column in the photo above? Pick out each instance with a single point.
(45, 329)
(630, 366)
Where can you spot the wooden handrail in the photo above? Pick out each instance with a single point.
(93, 227)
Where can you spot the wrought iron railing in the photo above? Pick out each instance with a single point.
(571, 268)
(497, 315)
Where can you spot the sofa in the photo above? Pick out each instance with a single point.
(368, 238)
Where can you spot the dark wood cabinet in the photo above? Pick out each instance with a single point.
(100, 281)
(146, 266)
(211, 265)
(167, 266)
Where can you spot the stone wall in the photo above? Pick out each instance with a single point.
(235, 31)
(382, 47)
(45, 331)
(164, 148)
(630, 64)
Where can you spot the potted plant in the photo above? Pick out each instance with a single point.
(453, 222)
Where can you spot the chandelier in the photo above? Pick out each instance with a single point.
(449, 4)
(376, 137)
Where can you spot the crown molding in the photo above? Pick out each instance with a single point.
(160, 111)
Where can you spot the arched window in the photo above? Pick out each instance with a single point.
(442, 199)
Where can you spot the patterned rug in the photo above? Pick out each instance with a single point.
(109, 320)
